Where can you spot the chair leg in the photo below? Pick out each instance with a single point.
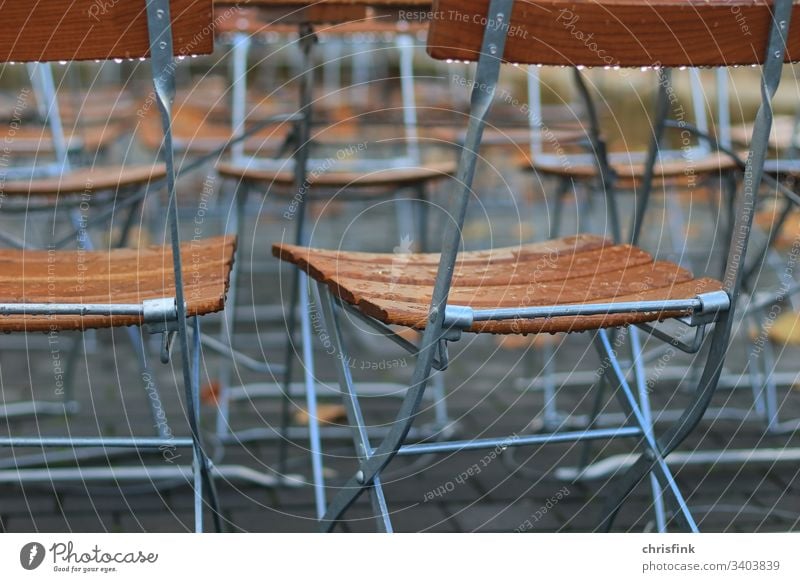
(652, 450)
(438, 392)
(404, 217)
(551, 416)
(422, 219)
(640, 377)
(197, 461)
(228, 331)
(203, 480)
(354, 415)
(558, 208)
(310, 381)
(761, 363)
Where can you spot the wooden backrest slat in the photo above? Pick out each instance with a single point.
(610, 33)
(58, 30)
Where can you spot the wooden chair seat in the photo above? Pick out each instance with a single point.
(633, 172)
(388, 178)
(396, 288)
(508, 136)
(112, 277)
(86, 180)
(199, 132)
(780, 138)
(102, 105)
(36, 141)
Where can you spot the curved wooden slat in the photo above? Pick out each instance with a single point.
(391, 177)
(29, 141)
(397, 288)
(711, 164)
(86, 180)
(112, 277)
(54, 30)
(610, 33)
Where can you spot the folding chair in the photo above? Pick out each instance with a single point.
(165, 289)
(503, 290)
(376, 182)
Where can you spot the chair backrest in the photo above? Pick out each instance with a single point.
(54, 30)
(624, 33)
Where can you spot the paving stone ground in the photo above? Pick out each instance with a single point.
(487, 394)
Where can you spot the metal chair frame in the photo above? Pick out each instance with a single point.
(446, 322)
(166, 316)
(299, 303)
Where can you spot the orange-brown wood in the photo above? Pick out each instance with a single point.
(779, 139)
(289, 12)
(112, 277)
(89, 181)
(508, 136)
(29, 141)
(627, 33)
(54, 30)
(388, 178)
(254, 21)
(671, 169)
(397, 288)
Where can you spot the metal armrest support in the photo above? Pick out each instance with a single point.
(688, 348)
(704, 309)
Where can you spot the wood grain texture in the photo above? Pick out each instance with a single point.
(254, 21)
(91, 180)
(626, 33)
(109, 277)
(397, 288)
(391, 177)
(55, 30)
(31, 141)
(633, 172)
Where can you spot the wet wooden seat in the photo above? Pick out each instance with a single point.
(49, 30)
(633, 171)
(112, 277)
(396, 288)
(383, 178)
(35, 141)
(87, 180)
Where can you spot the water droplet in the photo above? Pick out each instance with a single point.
(160, 13)
(162, 44)
(493, 49)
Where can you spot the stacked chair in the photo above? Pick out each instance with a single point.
(589, 283)
(164, 289)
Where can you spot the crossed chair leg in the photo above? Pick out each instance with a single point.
(372, 461)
